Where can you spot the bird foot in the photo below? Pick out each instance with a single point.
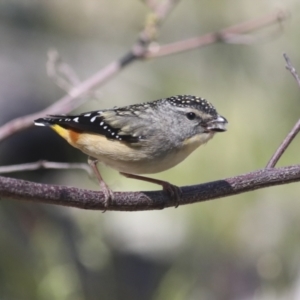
(174, 192)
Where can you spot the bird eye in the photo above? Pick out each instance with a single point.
(191, 115)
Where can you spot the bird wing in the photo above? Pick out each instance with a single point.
(116, 124)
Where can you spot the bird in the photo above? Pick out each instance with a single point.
(144, 138)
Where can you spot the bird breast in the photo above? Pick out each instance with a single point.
(125, 158)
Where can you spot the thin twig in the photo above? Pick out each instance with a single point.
(42, 164)
(136, 201)
(61, 73)
(162, 10)
(292, 134)
(291, 68)
(228, 35)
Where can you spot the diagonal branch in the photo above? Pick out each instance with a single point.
(284, 145)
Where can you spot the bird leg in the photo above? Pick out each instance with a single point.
(108, 193)
(173, 190)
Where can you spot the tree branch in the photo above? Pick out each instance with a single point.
(138, 201)
(295, 130)
(233, 34)
(291, 68)
(42, 164)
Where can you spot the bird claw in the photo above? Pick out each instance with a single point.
(174, 192)
(108, 195)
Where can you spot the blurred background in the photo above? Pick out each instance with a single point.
(242, 247)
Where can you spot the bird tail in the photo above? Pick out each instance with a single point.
(51, 120)
(54, 123)
(42, 122)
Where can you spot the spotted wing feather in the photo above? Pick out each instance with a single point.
(114, 124)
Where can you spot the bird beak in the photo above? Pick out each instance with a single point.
(217, 125)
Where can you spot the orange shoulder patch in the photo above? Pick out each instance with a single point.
(69, 135)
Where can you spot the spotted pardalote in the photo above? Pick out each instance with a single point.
(141, 138)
